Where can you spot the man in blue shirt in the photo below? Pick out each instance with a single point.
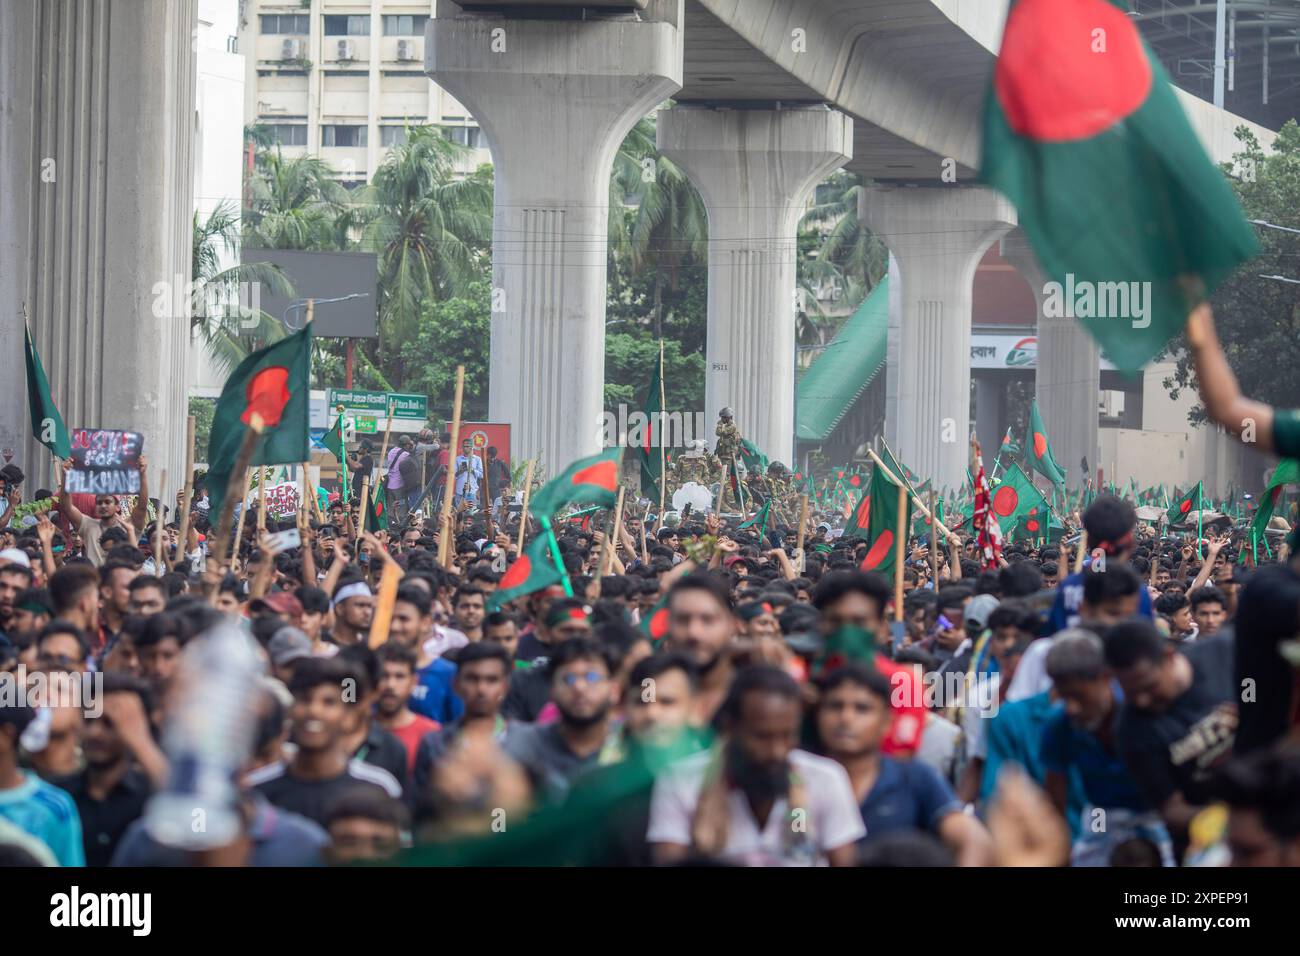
(1080, 737)
(894, 795)
(1109, 523)
(31, 804)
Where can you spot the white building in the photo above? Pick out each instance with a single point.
(342, 80)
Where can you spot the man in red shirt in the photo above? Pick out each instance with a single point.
(396, 682)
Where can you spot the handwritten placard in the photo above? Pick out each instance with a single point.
(105, 461)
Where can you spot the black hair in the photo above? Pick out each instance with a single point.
(467, 590)
(1015, 614)
(69, 583)
(1117, 581)
(1076, 654)
(1208, 594)
(1267, 781)
(1268, 614)
(954, 595)
(161, 626)
(1132, 641)
(63, 627)
(369, 803)
(656, 665)
(22, 569)
(711, 584)
(417, 597)
(758, 679)
(483, 651)
(859, 675)
(364, 666)
(312, 672)
(314, 600)
(1020, 580)
(834, 586)
(146, 581)
(394, 653)
(1108, 519)
(577, 649)
(498, 618)
(1170, 603)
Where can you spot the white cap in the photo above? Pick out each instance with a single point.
(14, 556)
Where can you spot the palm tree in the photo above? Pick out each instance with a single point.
(296, 204)
(228, 334)
(430, 229)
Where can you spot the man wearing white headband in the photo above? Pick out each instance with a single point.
(353, 607)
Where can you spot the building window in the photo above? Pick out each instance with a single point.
(470, 136)
(392, 135)
(348, 26)
(286, 23)
(343, 136)
(404, 25)
(288, 134)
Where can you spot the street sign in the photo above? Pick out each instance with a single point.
(408, 407)
(367, 424)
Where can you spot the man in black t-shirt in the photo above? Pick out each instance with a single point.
(320, 771)
(1179, 715)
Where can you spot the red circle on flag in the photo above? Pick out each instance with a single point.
(1185, 507)
(517, 574)
(267, 393)
(1040, 444)
(798, 476)
(878, 551)
(1031, 525)
(839, 474)
(855, 480)
(659, 623)
(864, 512)
(1005, 500)
(1069, 70)
(602, 473)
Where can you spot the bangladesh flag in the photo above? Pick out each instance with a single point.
(754, 460)
(1183, 506)
(333, 440)
(858, 523)
(531, 571)
(377, 508)
(883, 528)
(1287, 472)
(273, 383)
(1038, 452)
(1016, 500)
(760, 518)
(654, 625)
(1126, 214)
(47, 423)
(591, 480)
(649, 452)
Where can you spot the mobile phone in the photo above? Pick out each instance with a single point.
(943, 623)
(283, 541)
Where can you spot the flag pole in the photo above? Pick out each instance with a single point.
(261, 497)
(663, 473)
(523, 514)
(158, 527)
(803, 527)
(383, 471)
(188, 491)
(645, 554)
(608, 547)
(238, 478)
(902, 484)
(900, 549)
(556, 557)
(934, 543)
(243, 508)
(444, 524)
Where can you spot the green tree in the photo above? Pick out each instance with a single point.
(296, 204)
(1258, 318)
(630, 362)
(452, 332)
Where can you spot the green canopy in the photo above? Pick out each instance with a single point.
(843, 371)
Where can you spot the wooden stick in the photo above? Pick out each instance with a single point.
(803, 528)
(523, 515)
(916, 501)
(1083, 549)
(382, 620)
(365, 500)
(243, 508)
(444, 525)
(262, 478)
(188, 492)
(158, 528)
(934, 545)
(900, 550)
(663, 468)
(246, 448)
(645, 554)
(608, 548)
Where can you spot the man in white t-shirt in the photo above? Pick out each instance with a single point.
(757, 799)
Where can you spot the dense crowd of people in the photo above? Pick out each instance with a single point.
(689, 691)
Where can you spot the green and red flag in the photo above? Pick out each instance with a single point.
(1038, 451)
(654, 624)
(591, 481)
(531, 571)
(47, 424)
(883, 528)
(858, 522)
(377, 508)
(1129, 219)
(1017, 504)
(1287, 472)
(754, 460)
(1185, 505)
(333, 440)
(760, 518)
(649, 451)
(274, 384)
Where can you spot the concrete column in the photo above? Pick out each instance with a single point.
(554, 98)
(1068, 380)
(938, 236)
(755, 170)
(96, 198)
(990, 414)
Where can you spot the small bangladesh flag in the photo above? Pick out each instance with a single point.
(650, 449)
(1287, 472)
(591, 480)
(1038, 451)
(377, 508)
(1183, 506)
(883, 527)
(858, 522)
(47, 423)
(1126, 214)
(1015, 499)
(531, 571)
(274, 384)
(754, 460)
(654, 624)
(760, 518)
(333, 440)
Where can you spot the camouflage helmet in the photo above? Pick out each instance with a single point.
(726, 413)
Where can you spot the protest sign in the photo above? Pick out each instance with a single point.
(105, 461)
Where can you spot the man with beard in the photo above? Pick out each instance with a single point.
(1079, 740)
(756, 799)
(14, 579)
(530, 689)
(123, 766)
(108, 514)
(553, 754)
(354, 607)
(702, 625)
(32, 610)
(396, 681)
(320, 771)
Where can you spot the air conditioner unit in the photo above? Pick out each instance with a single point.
(346, 50)
(405, 50)
(291, 50)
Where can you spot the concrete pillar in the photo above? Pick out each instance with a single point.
(96, 199)
(1068, 380)
(990, 414)
(938, 236)
(554, 98)
(755, 169)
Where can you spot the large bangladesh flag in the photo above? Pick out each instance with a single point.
(1038, 451)
(883, 527)
(1126, 214)
(47, 424)
(273, 383)
(1185, 504)
(588, 481)
(532, 571)
(1287, 472)
(1017, 503)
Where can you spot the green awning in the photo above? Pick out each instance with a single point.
(844, 370)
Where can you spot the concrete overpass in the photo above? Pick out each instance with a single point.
(771, 95)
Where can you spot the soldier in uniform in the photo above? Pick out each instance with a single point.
(728, 432)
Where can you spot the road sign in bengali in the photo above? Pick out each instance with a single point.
(367, 424)
(409, 407)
